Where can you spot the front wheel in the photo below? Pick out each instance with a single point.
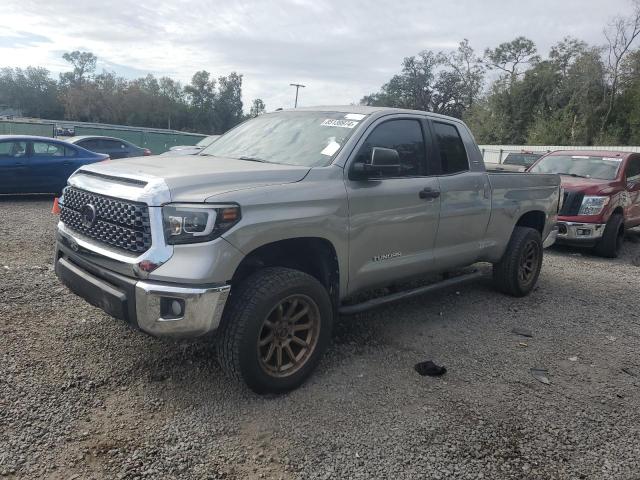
(275, 328)
(611, 242)
(517, 272)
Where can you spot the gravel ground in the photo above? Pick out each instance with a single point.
(82, 396)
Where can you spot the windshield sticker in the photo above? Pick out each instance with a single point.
(330, 149)
(612, 159)
(354, 116)
(580, 156)
(329, 122)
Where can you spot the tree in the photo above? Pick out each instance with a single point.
(84, 64)
(228, 102)
(620, 34)
(460, 85)
(257, 108)
(202, 96)
(511, 57)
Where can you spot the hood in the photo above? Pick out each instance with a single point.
(196, 178)
(590, 186)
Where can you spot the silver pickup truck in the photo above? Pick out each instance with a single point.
(269, 233)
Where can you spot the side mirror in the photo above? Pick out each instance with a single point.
(385, 158)
(383, 161)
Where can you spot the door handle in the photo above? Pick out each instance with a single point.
(428, 193)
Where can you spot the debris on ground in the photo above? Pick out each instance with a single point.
(523, 344)
(611, 338)
(540, 374)
(523, 332)
(430, 369)
(629, 372)
(573, 359)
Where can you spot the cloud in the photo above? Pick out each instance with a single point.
(22, 39)
(340, 50)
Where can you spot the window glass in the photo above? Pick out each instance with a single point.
(46, 149)
(112, 144)
(13, 149)
(453, 155)
(633, 170)
(91, 144)
(404, 136)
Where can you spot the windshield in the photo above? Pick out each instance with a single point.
(604, 168)
(523, 159)
(309, 139)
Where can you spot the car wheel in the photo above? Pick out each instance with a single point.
(612, 239)
(517, 272)
(275, 329)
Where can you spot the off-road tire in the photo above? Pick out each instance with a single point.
(249, 304)
(611, 242)
(507, 273)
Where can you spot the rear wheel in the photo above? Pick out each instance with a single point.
(611, 242)
(275, 328)
(517, 272)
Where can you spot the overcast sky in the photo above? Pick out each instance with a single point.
(341, 50)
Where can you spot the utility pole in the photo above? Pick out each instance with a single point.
(297, 85)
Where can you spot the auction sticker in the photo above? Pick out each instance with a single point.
(329, 122)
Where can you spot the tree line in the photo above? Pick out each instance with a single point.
(579, 94)
(206, 105)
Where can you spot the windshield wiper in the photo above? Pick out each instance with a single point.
(573, 175)
(252, 159)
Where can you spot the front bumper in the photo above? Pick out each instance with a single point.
(143, 304)
(579, 233)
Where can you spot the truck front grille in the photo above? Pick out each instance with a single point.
(119, 223)
(572, 203)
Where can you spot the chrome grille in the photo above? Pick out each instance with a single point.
(119, 223)
(571, 204)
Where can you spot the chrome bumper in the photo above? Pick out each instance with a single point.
(158, 308)
(580, 232)
(200, 309)
(551, 238)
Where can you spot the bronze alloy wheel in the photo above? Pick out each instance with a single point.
(528, 262)
(288, 336)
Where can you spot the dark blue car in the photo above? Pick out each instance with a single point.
(39, 164)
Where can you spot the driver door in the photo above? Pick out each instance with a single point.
(393, 216)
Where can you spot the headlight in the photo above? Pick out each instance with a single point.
(197, 222)
(592, 205)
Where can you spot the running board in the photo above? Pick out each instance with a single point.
(394, 297)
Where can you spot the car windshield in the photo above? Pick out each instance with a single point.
(309, 139)
(523, 159)
(587, 166)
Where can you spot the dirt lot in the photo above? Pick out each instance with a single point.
(82, 396)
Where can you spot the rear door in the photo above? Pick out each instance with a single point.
(50, 164)
(465, 199)
(632, 175)
(13, 167)
(392, 224)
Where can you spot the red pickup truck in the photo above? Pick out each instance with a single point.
(601, 196)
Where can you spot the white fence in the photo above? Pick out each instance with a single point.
(497, 153)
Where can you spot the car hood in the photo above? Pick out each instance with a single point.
(197, 178)
(590, 186)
